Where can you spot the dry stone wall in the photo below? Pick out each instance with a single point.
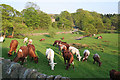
(16, 71)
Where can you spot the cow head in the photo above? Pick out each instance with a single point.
(79, 57)
(9, 54)
(52, 65)
(36, 59)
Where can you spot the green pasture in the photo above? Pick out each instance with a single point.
(107, 48)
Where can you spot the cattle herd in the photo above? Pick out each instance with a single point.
(65, 49)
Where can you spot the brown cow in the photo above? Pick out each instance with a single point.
(32, 54)
(21, 54)
(67, 55)
(67, 45)
(10, 36)
(57, 42)
(114, 75)
(42, 39)
(96, 58)
(13, 47)
(61, 46)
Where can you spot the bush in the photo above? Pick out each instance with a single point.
(52, 32)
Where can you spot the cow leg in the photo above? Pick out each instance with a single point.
(48, 63)
(67, 66)
(65, 60)
(73, 64)
(94, 62)
(22, 61)
(15, 52)
(31, 58)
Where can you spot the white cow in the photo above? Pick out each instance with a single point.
(75, 51)
(50, 57)
(25, 39)
(86, 54)
(1, 39)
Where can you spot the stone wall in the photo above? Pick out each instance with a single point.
(16, 71)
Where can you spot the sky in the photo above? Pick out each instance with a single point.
(56, 6)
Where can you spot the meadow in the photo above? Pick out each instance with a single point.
(109, 55)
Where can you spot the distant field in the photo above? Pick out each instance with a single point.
(109, 57)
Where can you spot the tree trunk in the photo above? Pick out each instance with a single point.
(12, 33)
(4, 35)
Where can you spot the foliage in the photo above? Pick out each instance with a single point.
(31, 17)
(52, 32)
(90, 29)
(45, 20)
(64, 20)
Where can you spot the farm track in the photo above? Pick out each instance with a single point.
(36, 34)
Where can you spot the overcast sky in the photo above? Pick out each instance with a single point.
(56, 6)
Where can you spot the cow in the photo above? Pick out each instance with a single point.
(96, 58)
(61, 47)
(31, 51)
(10, 36)
(67, 55)
(75, 51)
(57, 42)
(86, 54)
(42, 39)
(99, 37)
(29, 42)
(25, 40)
(13, 47)
(50, 57)
(62, 38)
(21, 54)
(114, 75)
(67, 45)
(1, 39)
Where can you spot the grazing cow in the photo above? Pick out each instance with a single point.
(10, 36)
(21, 54)
(25, 40)
(61, 47)
(67, 45)
(114, 75)
(1, 39)
(99, 37)
(57, 42)
(62, 38)
(50, 57)
(75, 51)
(30, 41)
(42, 39)
(96, 58)
(86, 54)
(13, 47)
(31, 51)
(94, 35)
(67, 55)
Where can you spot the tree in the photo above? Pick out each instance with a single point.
(6, 25)
(90, 29)
(31, 17)
(31, 4)
(8, 15)
(64, 20)
(45, 21)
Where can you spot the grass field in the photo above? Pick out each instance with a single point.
(109, 57)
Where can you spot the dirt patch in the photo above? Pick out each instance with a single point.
(106, 41)
(78, 45)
